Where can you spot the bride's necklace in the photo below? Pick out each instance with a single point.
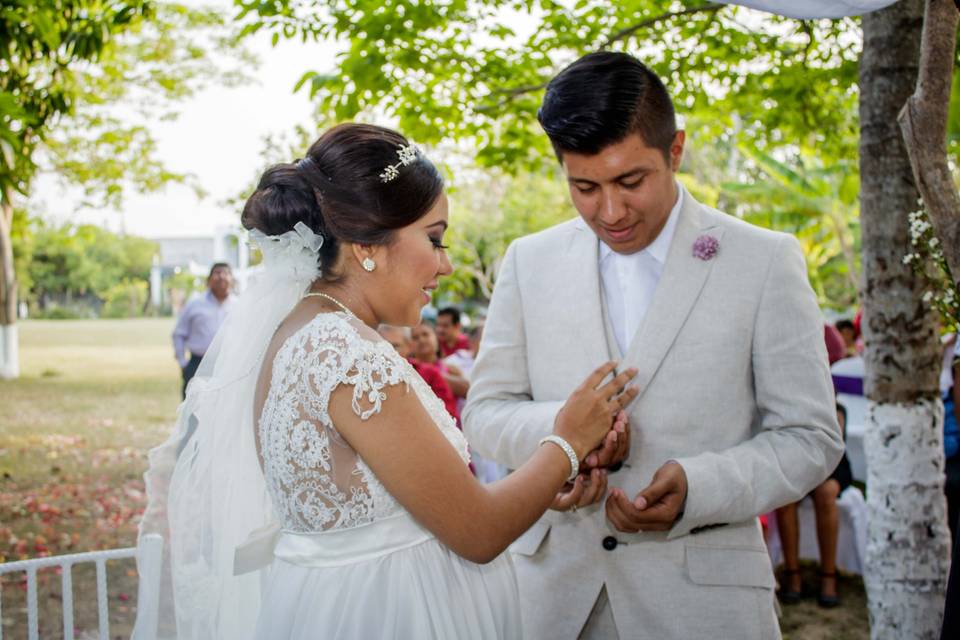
(320, 294)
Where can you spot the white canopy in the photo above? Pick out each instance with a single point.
(815, 8)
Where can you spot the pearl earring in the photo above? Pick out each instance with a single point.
(369, 264)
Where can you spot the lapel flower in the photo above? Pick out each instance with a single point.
(705, 247)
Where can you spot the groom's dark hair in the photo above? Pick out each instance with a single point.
(601, 99)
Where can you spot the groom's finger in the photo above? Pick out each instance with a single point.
(603, 455)
(564, 500)
(623, 441)
(661, 516)
(597, 487)
(621, 512)
(653, 494)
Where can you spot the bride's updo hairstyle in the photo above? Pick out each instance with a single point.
(337, 190)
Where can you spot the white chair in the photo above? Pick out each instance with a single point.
(851, 536)
(148, 555)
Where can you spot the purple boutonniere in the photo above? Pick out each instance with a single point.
(705, 247)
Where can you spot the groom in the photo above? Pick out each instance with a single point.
(735, 415)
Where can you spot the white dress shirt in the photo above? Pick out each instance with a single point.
(629, 281)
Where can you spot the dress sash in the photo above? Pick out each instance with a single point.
(329, 548)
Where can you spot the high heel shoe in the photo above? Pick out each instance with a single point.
(825, 601)
(786, 594)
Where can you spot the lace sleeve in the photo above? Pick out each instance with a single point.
(316, 479)
(342, 355)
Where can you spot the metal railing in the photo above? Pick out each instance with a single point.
(148, 555)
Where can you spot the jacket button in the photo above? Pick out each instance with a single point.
(609, 543)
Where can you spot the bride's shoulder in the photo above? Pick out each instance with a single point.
(339, 328)
(348, 340)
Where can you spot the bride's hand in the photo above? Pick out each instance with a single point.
(587, 416)
(584, 491)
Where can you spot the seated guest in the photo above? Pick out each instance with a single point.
(828, 524)
(848, 331)
(448, 331)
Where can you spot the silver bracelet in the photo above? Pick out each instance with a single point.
(571, 454)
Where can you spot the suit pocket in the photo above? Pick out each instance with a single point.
(529, 543)
(729, 566)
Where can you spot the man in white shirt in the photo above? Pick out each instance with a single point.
(735, 415)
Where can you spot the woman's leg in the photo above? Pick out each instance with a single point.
(828, 525)
(789, 528)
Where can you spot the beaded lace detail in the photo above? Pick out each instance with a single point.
(316, 480)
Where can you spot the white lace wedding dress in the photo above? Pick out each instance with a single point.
(351, 562)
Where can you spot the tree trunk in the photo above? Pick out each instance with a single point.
(9, 343)
(907, 545)
(924, 124)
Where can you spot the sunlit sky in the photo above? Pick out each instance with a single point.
(218, 137)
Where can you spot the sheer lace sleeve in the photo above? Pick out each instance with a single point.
(316, 480)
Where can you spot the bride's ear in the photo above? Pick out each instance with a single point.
(365, 255)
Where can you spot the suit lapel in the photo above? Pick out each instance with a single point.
(580, 273)
(678, 290)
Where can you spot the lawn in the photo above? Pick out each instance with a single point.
(74, 431)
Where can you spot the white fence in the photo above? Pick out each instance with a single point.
(150, 555)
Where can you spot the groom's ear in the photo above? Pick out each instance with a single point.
(676, 149)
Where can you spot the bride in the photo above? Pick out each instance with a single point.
(315, 486)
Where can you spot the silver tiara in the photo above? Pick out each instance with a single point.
(407, 154)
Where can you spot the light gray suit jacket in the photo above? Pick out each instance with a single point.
(734, 385)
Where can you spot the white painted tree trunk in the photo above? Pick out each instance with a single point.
(907, 536)
(9, 352)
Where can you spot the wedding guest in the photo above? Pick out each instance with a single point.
(427, 350)
(850, 334)
(398, 337)
(423, 356)
(449, 332)
(462, 359)
(835, 346)
(199, 321)
(951, 610)
(951, 441)
(475, 335)
(857, 322)
(828, 525)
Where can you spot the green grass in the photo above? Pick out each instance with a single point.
(75, 429)
(94, 397)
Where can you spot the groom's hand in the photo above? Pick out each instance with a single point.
(655, 508)
(615, 447)
(588, 488)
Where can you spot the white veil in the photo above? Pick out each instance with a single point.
(205, 489)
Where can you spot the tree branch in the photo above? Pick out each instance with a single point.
(710, 7)
(923, 122)
(506, 95)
